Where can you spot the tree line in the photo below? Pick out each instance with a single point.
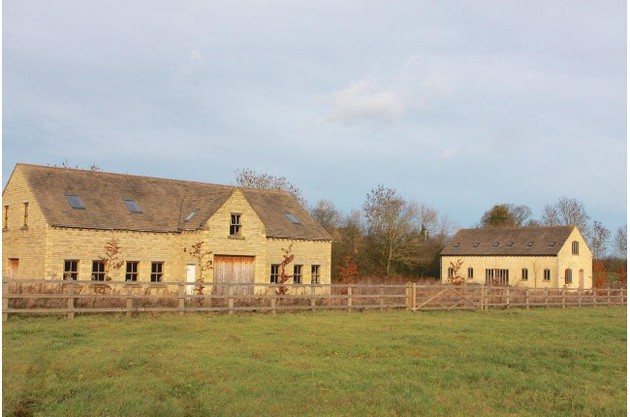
(391, 235)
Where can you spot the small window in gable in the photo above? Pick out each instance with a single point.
(132, 206)
(191, 215)
(75, 202)
(575, 247)
(292, 218)
(235, 224)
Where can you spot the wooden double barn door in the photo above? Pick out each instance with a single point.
(234, 270)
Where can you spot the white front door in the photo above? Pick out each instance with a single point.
(191, 276)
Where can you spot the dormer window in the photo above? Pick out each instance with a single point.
(191, 215)
(75, 202)
(552, 243)
(292, 218)
(509, 244)
(235, 224)
(475, 244)
(530, 243)
(495, 244)
(132, 206)
(456, 245)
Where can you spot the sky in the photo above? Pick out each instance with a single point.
(456, 105)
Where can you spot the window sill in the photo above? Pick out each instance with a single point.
(236, 237)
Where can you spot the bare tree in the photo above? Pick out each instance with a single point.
(112, 259)
(252, 179)
(567, 212)
(325, 213)
(393, 226)
(621, 241)
(599, 240)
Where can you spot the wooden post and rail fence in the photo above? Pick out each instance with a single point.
(68, 297)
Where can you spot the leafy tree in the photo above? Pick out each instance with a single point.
(507, 215)
(252, 179)
(498, 216)
(393, 229)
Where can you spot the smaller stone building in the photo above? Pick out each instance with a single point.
(58, 223)
(535, 257)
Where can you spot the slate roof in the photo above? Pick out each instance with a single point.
(524, 241)
(164, 203)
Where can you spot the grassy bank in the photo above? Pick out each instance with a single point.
(521, 363)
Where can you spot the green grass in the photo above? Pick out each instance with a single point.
(498, 363)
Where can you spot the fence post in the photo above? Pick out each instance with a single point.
(5, 300)
(482, 302)
(230, 300)
(564, 290)
(70, 299)
(547, 298)
(608, 293)
(349, 301)
(527, 298)
(181, 293)
(409, 294)
(274, 295)
(312, 297)
(129, 300)
(381, 299)
(594, 297)
(507, 298)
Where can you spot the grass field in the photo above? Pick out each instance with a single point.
(497, 363)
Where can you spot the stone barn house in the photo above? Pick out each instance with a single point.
(535, 257)
(58, 223)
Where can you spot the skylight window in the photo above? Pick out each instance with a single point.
(456, 245)
(132, 206)
(191, 215)
(292, 218)
(552, 243)
(495, 244)
(530, 243)
(75, 202)
(476, 244)
(510, 243)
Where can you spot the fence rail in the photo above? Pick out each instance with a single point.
(20, 296)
